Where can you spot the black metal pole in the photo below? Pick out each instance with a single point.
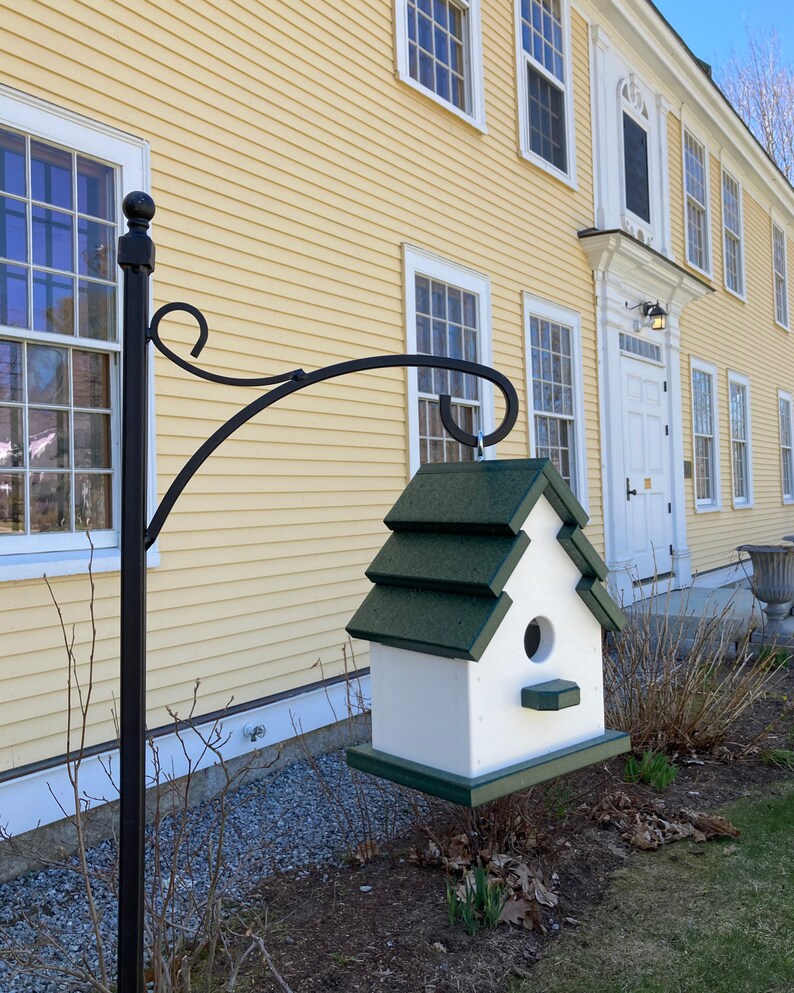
(136, 259)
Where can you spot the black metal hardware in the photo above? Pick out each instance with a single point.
(136, 258)
(629, 493)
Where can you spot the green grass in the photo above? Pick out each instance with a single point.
(677, 921)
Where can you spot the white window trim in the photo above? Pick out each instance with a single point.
(742, 380)
(418, 260)
(783, 395)
(782, 229)
(685, 128)
(715, 504)
(130, 155)
(725, 171)
(568, 177)
(546, 310)
(473, 55)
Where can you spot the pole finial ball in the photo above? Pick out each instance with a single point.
(138, 206)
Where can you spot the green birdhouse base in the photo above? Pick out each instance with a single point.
(473, 792)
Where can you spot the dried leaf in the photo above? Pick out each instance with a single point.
(517, 912)
(712, 825)
(365, 852)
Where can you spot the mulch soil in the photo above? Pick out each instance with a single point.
(384, 925)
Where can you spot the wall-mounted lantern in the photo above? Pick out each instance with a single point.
(486, 623)
(654, 316)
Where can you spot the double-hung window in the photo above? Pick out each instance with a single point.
(732, 234)
(554, 390)
(786, 449)
(696, 195)
(741, 457)
(60, 195)
(544, 83)
(439, 51)
(780, 269)
(448, 313)
(705, 432)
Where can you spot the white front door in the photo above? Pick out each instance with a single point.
(646, 461)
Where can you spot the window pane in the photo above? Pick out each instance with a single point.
(14, 296)
(53, 239)
(91, 441)
(96, 249)
(10, 371)
(13, 229)
(96, 307)
(12, 507)
(50, 508)
(93, 502)
(91, 379)
(12, 163)
(96, 189)
(48, 439)
(51, 175)
(48, 375)
(53, 303)
(546, 119)
(635, 160)
(12, 438)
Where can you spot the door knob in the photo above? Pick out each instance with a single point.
(629, 493)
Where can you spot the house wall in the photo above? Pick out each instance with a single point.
(289, 167)
(739, 336)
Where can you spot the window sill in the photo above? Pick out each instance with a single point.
(708, 508)
(783, 327)
(477, 121)
(744, 505)
(788, 501)
(739, 296)
(73, 563)
(706, 273)
(549, 169)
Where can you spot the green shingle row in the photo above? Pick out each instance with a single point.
(439, 579)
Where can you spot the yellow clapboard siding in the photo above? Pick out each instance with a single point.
(289, 167)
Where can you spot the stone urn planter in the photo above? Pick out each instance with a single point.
(773, 582)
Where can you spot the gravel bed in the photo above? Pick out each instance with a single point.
(286, 822)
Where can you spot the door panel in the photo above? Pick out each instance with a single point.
(646, 456)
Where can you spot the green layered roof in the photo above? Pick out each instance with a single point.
(440, 577)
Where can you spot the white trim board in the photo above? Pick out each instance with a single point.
(36, 799)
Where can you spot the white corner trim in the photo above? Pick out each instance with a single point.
(36, 799)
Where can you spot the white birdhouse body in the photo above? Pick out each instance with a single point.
(486, 627)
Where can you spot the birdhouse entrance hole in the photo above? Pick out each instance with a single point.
(538, 639)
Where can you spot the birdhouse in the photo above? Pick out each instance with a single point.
(486, 623)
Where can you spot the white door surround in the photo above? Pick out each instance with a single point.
(625, 272)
